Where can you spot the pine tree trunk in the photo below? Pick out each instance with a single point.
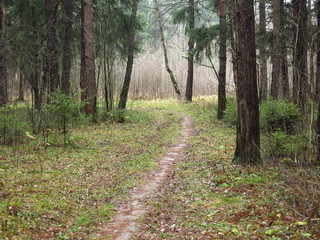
(300, 56)
(164, 48)
(248, 133)
(231, 12)
(36, 91)
(127, 79)
(87, 72)
(318, 134)
(67, 8)
(191, 24)
(317, 80)
(263, 54)
(222, 60)
(51, 70)
(285, 89)
(317, 85)
(34, 76)
(21, 81)
(3, 70)
(276, 59)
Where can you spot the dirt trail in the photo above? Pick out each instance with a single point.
(126, 221)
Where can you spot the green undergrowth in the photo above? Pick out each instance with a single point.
(210, 198)
(52, 191)
(57, 191)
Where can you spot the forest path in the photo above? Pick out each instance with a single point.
(125, 223)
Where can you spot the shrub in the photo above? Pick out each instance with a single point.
(278, 144)
(278, 120)
(230, 114)
(13, 124)
(275, 115)
(59, 112)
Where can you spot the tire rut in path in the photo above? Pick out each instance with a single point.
(125, 223)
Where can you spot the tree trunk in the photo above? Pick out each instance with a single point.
(21, 81)
(318, 134)
(67, 8)
(263, 83)
(248, 133)
(164, 48)
(106, 79)
(300, 56)
(34, 75)
(231, 11)
(317, 84)
(87, 72)
(36, 91)
(191, 25)
(127, 79)
(3, 70)
(285, 89)
(222, 60)
(317, 81)
(51, 70)
(276, 59)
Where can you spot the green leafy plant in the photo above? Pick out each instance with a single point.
(275, 115)
(278, 144)
(13, 124)
(230, 114)
(59, 112)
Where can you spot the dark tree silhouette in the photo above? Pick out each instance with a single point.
(276, 58)
(3, 74)
(191, 24)
(127, 78)
(87, 75)
(222, 60)
(248, 133)
(263, 53)
(300, 53)
(67, 7)
(51, 69)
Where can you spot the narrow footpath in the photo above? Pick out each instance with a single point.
(125, 223)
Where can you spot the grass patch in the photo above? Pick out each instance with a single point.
(56, 192)
(210, 198)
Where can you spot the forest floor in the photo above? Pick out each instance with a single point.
(188, 191)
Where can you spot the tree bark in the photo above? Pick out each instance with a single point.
(35, 64)
(164, 48)
(276, 59)
(191, 25)
(3, 70)
(300, 56)
(67, 8)
(317, 81)
(87, 72)
(51, 70)
(285, 89)
(263, 83)
(248, 133)
(222, 60)
(127, 79)
(318, 134)
(231, 11)
(21, 81)
(317, 85)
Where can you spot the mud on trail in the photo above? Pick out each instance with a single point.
(125, 223)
